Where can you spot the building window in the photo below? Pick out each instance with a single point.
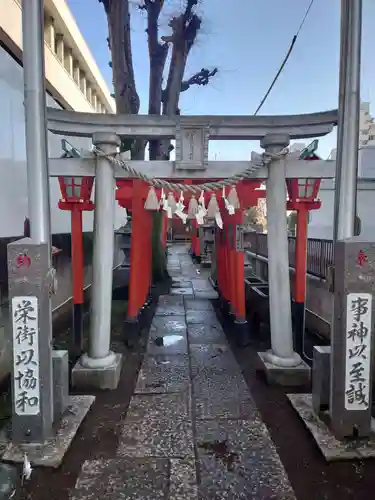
(371, 137)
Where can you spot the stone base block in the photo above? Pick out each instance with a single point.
(241, 329)
(97, 378)
(51, 453)
(223, 305)
(60, 368)
(130, 331)
(331, 448)
(294, 376)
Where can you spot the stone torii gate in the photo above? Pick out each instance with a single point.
(192, 134)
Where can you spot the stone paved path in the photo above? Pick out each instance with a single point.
(192, 430)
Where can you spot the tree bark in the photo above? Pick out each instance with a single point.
(184, 31)
(118, 17)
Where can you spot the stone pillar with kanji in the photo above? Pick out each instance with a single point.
(352, 342)
(30, 288)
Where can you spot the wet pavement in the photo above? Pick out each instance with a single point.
(192, 430)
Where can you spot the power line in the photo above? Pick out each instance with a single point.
(285, 59)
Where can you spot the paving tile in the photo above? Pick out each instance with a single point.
(206, 334)
(237, 460)
(198, 305)
(202, 318)
(201, 285)
(168, 335)
(125, 479)
(182, 291)
(223, 397)
(212, 358)
(174, 324)
(170, 310)
(174, 273)
(158, 405)
(165, 344)
(207, 294)
(170, 300)
(158, 425)
(181, 283)
(183, 479)
(162, 374)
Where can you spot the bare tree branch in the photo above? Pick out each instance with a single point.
(118, 15)
(185, 28)
(158, 52)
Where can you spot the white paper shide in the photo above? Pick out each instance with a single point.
(26, 355)
(358, 351)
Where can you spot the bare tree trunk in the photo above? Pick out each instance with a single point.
(184, 31)
(158, 53)
(157, 56)
(118, 16)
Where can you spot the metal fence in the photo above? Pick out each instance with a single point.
(319, 253)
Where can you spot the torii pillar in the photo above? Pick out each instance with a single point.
(281, 363)
(99, 367)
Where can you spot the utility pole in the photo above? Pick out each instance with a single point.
(354, 257)
(29, 259)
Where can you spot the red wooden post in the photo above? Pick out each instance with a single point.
(239, 259)
(148, 251)
(223, 259)
(226, 290)
(302, 198)
(197, 243)
(164, 229)
(77, 255)
(77, 278)
(237, 283)
(218, 251)
(75, 197)
(300, 276)
(136, 260)
(193, 236)
(232, 268)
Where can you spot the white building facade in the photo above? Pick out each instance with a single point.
(321, 221)
(73, 81)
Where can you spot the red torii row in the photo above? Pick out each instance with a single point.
(132, 193)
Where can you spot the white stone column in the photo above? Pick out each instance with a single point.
(282, 353)
(88, 92)
(68, 61)
(49, 33)
(77, 73)
(60, 47)
(100, 366)
(83, 84)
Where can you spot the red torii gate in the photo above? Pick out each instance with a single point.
(132, 193)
